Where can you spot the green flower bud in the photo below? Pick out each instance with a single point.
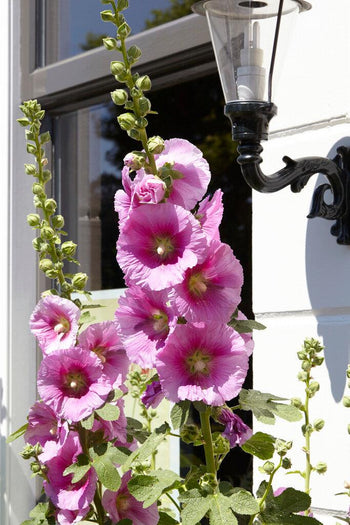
(117, 68)
(47, 232)
(155, 145)
(35, 467)
(144, 83)
(282, 446)
(321, 467)
(119, 97)
(306, 366)
(38, 189)
(317, 361)
(134, 134)
(318, 424)
(68, 248)
(348, 372)
(307, 428)
(124, 30)
(302, 355)
(302, 376)
(208, 483)
(346, 401)
(144, 105)
(31, 148)
(122, 5)
(45, 137)
(110, 43)
(28, 452)
(47, 175)
(45, 265)
(286, 463)
(313, 388)
(221, 445)
(190, 433)
(66, 287)
(23, 122)
(297, 402)
(349, 429)
(141, 122)
(135, 160)
(50, 205)
(51, 274)
(57, 221)
(268, 467)
(134, 53)
(34, 220)
(79, 280)
(127, 121)
(107, 16)
(30, 169)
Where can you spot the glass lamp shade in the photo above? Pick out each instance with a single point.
(242, 34)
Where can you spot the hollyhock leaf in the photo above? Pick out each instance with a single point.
(287, 412)
(165, 519)
(264, 406)
(242, 502)
(179, 414)
(108, 412)
(77, 470)
(88, 422)
(135, 429)
(149, 446)
(220, 511)
(280, 510)
(193, 475)
(246, 326)
(18, 433)
(195, 507)
(105, 456)
(260, 445)
(150, 488)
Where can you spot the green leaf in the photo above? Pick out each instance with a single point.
(265, 407)
(220, 511)
(260, 445)
(195, 507)
(104, 459)
(179, 414)
(149, 488)
(108, 412)
(88, 422)
(18, 433)
(149, 446)
(280, 510)
(242, 502)
(245, 326)
(165, 519)
(135, 429)
(78, 469)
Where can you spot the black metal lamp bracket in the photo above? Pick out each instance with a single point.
(250, 121)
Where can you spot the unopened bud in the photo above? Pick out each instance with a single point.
(33, 220)
(117, 68)
(45, 265)
(28, 452)
(69, 248)
(144, 83)
(124, 30)
(190, 433)
(135, 160)
(318, 424)
(134, 54)
(57, 221)
(134, 134)
(313, 387)
(79, 280)
(127, 121)
(144, 105)
(321, 467)
(302, 355)
(155, 145)
(306, 366)
(37, 189)
(110, 43)
(317, 361)
(30, 169)
(268, 467)
(286, 463)
(50, 205)
(302, 376)
(35, 467)
(47, 232)
(297, 402)
(107, 16)
(221, 445)
(346, 401)
(119, 97)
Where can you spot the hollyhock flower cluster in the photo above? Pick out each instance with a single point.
(184, 284)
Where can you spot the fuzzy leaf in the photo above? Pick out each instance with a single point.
(149, 488)
(260, 445)
(265, 407)
(280, 510)
(246, 326)
(195, 506)
(78, 469)
(108, 412)
(88, 422)
(220, 510)
(149, 446)
(165, 519)
(18, 433)
(242, 502)
(179, 414)
(105, 457)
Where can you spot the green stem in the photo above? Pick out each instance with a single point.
(175, 503)
(308, 466)
(267, 490)
(101, 515)
(208, 442)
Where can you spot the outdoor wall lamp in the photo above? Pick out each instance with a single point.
(244, 35)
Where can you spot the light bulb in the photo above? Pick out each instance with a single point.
(251, 74)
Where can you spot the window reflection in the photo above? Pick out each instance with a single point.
(75, 26)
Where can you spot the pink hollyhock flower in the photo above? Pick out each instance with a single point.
(210, 214)
(67, 517)
(157, 244)
(211, 290)
(44, 426)
(153, 395)
(236, 431)
(188, 160)
(202, 362)
(149, 190)
(105, 341)
(123, 198)
(145, 320)
(72, 383)
(54, 322)
(59, 488)
(122, 505)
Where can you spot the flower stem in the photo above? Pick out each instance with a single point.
(208, 441)
(267, 490)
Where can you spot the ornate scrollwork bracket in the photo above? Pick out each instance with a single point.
(250, 122)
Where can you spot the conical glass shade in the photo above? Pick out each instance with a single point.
(243, 33)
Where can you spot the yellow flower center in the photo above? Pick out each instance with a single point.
(160, 321)
(163, 247)
(63, 326)
(197, 284)
(198, 363)
(99, 351)
(75, 383)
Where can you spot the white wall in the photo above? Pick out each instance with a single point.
(301, 284)
(17, 280)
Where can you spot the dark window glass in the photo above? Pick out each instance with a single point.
(69, 27)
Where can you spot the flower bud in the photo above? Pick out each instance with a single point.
(221, 445)
(306, 366)
(37, 189)
(208, 483)
(144, 83)
(117, 68)
(313, 388)
(307, 428)
(302, 376)
(68, 248)
(268, 467)
(119, 97)
(124, 30)
(110, 43)
(79, 280)
(107, 16)
(45, 265)
(321, 467)
(134, 54)
(122, 4)
(30, 169)
(33, 220)
(190, 433)
(57, 221)
(297, 402)
(28, 452)
(348, 372)
(317, 361)
(144, 105)
(349, 429)
(47, 232)
(51, 274)
(302, 355)
(318, 424)
(346, 401)
(135, 160)
(155, 145)
(134, 134)
(127, 121)
(35, 467)
(286, 463)
(50, 205)
(23, 121)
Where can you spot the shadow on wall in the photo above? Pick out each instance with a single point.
(328, 279)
